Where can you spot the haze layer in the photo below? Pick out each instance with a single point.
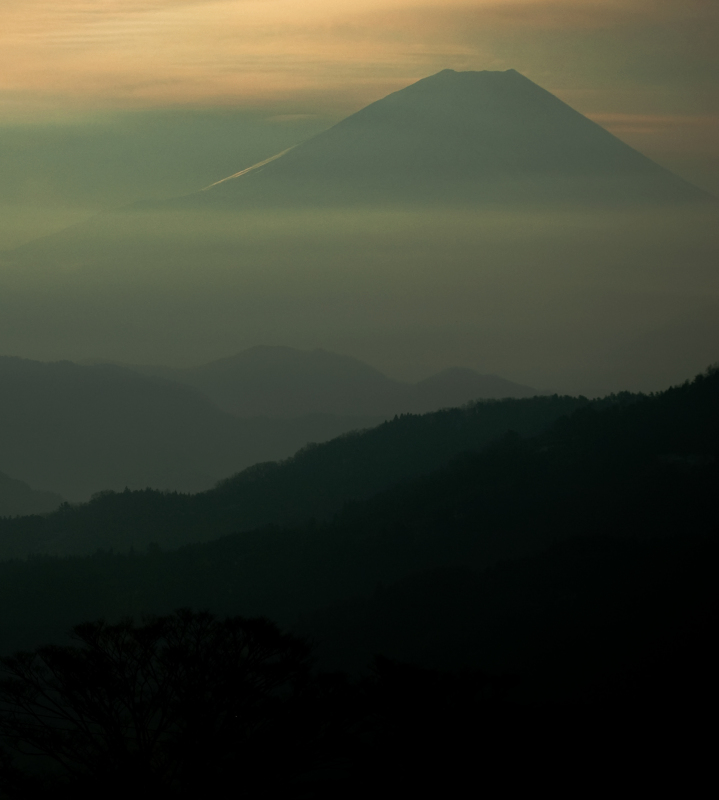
(471, 219)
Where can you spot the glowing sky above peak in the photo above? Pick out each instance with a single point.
(249, 51)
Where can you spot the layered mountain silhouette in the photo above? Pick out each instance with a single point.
(287, 382)
(313, 484)
(78, 429)
(587, 547)
(456, 136)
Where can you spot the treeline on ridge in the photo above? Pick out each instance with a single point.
(510, 558)
(312, 484)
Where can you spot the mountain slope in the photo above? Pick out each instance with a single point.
(313, 484)
(79, 429)
(458, 136)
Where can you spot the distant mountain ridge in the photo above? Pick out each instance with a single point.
(288, 382)
(18, 499)
(457, 136)
(76, 430)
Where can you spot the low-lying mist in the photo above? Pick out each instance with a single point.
(584, 300)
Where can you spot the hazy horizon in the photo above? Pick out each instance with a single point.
(562, 295)
(561, 301)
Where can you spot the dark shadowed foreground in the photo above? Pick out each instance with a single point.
(543, 605)
(159, 706)
(188, 704)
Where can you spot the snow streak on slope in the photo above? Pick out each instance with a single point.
(249, 169)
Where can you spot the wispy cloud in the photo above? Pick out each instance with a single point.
(291, 53)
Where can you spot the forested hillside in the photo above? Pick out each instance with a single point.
(312, 484)
(532, 553)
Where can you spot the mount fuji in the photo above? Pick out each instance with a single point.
(456, 136)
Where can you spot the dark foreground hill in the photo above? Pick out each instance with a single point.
(574, 558)
(312, 484)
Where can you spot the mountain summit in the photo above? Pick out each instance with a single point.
(457, 136)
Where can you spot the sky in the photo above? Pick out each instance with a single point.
(648, 56)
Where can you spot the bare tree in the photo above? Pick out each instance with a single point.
(167, 703)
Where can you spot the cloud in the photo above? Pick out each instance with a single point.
(303, 56)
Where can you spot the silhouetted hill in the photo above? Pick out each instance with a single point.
(582, 550)
(312, 484)
(18, 499)
(79, 429)
(286, 382)
(458, 136)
